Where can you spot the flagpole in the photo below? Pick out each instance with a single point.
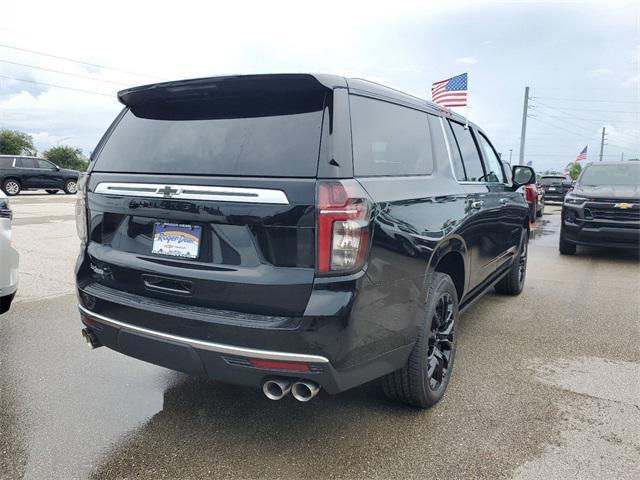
(466, 125)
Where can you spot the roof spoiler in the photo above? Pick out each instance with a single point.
(221, 87)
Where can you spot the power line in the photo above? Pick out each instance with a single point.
(565, 129)
(588, 109)
(57, 86)
(582, 127)
(583, 100)
(562, 155)
(65, 73)
(592, 121)
(68, 59)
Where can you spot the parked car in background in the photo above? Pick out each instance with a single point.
(295, 232)
(534, 195)
(8, 257)
(555, 187)
(19, 173)
(603, 209)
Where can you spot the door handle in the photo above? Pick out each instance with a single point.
(504, 201)
(477, 205)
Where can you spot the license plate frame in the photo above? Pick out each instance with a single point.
(176, 240)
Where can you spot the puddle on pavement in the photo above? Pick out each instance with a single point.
(542, 227)
(599, 428)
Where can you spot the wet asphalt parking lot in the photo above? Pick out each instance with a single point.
(546, 385)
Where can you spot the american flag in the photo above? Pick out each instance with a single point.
(582, 155)
(451, 92)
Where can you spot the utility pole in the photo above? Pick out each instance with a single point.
(622, 157)
(523, 132)
(602, 143)
(510, 155)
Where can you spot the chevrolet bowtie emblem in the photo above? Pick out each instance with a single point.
(623, 206)
(167, 191)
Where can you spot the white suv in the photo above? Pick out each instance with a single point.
(8, 257)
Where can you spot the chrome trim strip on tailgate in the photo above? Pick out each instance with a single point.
(194, 192)
(210, 346)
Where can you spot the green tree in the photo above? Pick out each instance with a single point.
(574, 170)
(67, 157)
(13, 142)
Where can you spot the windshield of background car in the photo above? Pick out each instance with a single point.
(623, 174)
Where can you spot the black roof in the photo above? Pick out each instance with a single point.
(279, 82)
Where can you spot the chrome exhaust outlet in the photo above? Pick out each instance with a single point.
(276, 388)
(304, 391)
(90, 338)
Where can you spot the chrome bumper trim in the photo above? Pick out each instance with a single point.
(210, 346)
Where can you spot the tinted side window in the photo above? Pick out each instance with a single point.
(458, 166)
(45, 164)
(389, 139)
(493, 164)
(6, 162)
(469, 152)
(25, 163)
(438, 140)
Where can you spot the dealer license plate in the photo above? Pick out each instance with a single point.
(176, 240)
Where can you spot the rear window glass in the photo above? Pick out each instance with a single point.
(248, 137)
(553, 180)
(389, 140)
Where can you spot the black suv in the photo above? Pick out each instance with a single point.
(555, 187)
(294, 232)
(19, 173)
(603, 210)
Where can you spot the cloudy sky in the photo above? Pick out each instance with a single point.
(581, 60)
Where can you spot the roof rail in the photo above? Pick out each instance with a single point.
(396, 90)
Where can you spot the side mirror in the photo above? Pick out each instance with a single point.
(522, 175)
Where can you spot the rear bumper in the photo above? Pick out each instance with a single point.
(229, 363)
(554, 196)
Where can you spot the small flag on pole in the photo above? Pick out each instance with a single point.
(582, 155)
(451, 92)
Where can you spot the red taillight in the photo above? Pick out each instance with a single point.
(343, 226)
(275, 365)
(530, 193)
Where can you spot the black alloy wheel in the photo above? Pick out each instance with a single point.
(440, 349)
(513, 282)
(423, 380)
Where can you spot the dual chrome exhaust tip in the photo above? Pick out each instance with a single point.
(91, 338)
(278, 388)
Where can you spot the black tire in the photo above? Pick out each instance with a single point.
(423, 380)
(513, 282)
(540, 212)
(565, 247)
(71, 187)
(11, 186)
(51, 192)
